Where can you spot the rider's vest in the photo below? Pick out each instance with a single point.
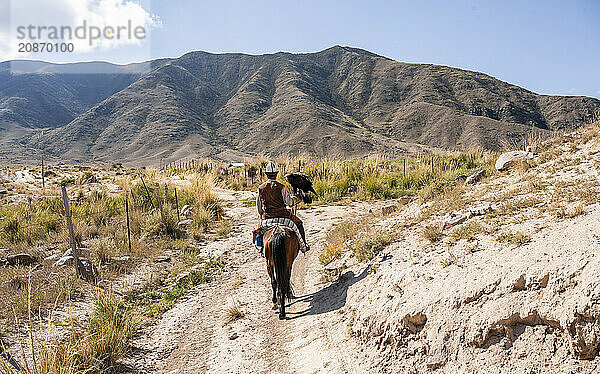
(271, 198)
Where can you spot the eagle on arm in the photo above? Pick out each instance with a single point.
(300, 181)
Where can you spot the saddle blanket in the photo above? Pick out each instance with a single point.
(269, 223)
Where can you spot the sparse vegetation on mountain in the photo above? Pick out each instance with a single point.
(341, 101)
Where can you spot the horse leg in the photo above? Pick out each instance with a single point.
(273, 285)
(278, 249)
(281, 306)
(290, 293)
(292, 252)
(289, 260)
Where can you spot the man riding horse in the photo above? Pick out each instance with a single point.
(283, 235)
(273, 199)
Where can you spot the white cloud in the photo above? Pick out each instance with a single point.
(98, 15)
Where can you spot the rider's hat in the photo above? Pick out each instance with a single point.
(271, 168)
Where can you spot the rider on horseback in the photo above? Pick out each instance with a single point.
(273, 197)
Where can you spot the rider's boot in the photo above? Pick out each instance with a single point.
(303, 235)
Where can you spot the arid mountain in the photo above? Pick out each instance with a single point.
(338, 101)
(38, 95)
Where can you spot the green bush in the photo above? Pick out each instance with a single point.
(154, 224)
(20, 226)
(367, 246)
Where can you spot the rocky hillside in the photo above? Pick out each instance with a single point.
(338, 101)
(41, 95)
(500, 276)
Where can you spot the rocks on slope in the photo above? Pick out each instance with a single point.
(509, 159)
(490, 307)
(19, 259)
(535, 301)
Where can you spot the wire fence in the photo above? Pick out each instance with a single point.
(34, 213)
(253, 171)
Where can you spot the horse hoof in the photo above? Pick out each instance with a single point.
(282, 316)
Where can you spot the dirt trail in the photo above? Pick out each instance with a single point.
(194, 337)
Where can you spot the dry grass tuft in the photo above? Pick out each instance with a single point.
(468, 231)
(95, 349)
(369, 244)
(560, 211)
(450, 260)
(331, 252)
(234, 312)
(516, 238)
(433, 233)
(223, 228)
(357, 235)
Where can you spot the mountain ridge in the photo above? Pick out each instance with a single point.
(341, 101)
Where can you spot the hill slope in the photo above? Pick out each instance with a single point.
(514, 290)
(338, 101)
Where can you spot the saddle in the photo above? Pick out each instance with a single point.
(269, 223)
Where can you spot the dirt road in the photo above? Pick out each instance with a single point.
(194, 336)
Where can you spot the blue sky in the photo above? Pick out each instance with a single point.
(550, 47)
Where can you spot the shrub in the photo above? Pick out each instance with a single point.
(224, 228)
(370, 244)
(332, 251)
(467, 231)
(433, 233)
(154, 224)
(97, 349)
(516, 238)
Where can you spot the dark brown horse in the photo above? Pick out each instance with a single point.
(281, 248)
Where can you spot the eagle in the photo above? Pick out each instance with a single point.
(300, 181)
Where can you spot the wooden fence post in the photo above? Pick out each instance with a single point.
(166, 195)
(70, 227)
(43, 174)
(160, 207)
(177, 204)
(127, 214)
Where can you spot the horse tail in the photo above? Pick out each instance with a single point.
(279, 258)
